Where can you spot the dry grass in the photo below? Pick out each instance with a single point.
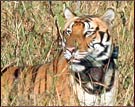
(28, 31)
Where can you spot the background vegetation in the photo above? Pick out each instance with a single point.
(28, 31)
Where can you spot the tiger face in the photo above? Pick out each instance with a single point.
(87, 37)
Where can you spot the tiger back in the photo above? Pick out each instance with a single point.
(47, 83)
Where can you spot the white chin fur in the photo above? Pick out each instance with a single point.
(77, 68)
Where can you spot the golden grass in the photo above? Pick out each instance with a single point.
(28, 31)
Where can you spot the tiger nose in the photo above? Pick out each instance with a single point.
(71, 49)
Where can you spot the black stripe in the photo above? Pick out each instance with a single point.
(97, 28)
(103, 53)
(100, 43)
(106, 48)
(108, 36)
(112, 67)
(34, 71)
(88, 24)
(101, 35)
(17, 72)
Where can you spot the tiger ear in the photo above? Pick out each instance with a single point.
(109, 16)
(68, 13)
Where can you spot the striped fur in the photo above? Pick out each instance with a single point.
(31, 83)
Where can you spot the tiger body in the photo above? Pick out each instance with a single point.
(88, 53)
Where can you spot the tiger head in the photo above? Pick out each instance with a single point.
(87, 36)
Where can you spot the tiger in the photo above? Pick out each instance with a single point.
(91, 54)
(85, 67)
